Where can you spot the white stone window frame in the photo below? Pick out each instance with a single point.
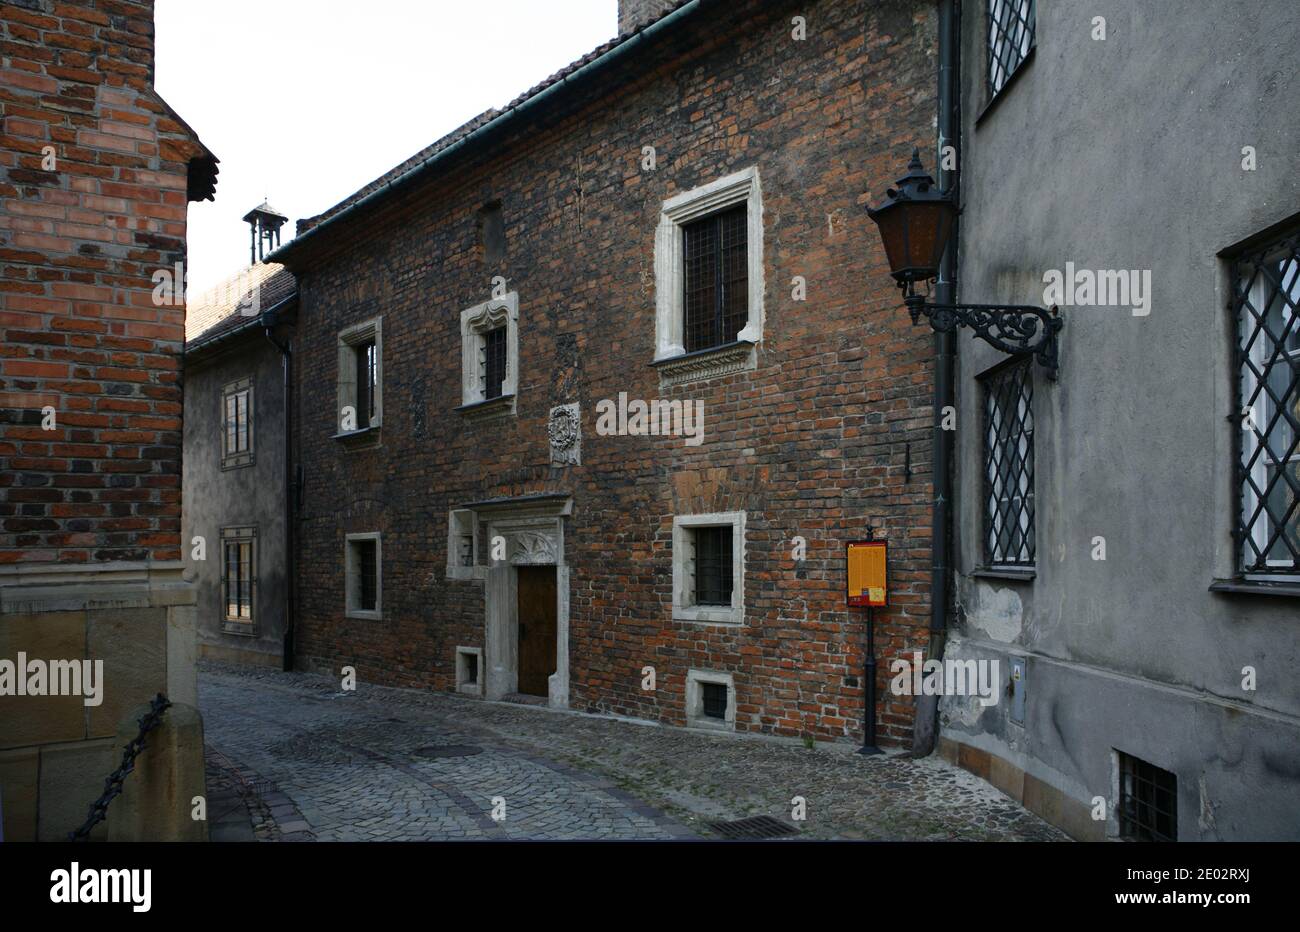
(348, 341)
(237, 458)
(684, 607)
(352, 578)
(695, 717)
(463, 522)
(475, 323)
(463, 683)
(742, 187)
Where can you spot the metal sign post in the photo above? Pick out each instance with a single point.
(867, 561)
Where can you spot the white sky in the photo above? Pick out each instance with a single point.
(305, 101)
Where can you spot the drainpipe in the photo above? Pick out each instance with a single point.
(286, 360)
(925, 730)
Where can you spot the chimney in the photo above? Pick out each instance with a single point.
(633, 14)
(264, 222)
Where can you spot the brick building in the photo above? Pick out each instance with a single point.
(678, 217)
(96, 172)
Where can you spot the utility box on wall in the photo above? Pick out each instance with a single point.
(1018, 685)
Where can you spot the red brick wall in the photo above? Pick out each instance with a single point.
(78, 246)
(813, 443)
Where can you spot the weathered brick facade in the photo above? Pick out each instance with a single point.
(94, 179)
(827, 437)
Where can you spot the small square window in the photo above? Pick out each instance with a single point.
(715, 700)
(363, 569)
(469, 672)
(237, 424)
(1148, 801)
(708, 568)
(710, 700)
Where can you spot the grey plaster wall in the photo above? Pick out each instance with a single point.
(214, 498)
(1127, 154)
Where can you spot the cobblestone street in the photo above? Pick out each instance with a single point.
(291, 757)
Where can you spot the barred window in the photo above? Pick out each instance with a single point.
(237, 424)
(363, 572)
(1148, 801)
(713, 577)
(1009, 463)
(238, 574)
(1011, 37)
(489, 355)
(714, 697)
(709, 568)
(366, 575)
(493, 362)
(716, 256)
(1266, 294)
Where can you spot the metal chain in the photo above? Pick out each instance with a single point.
(113, 783)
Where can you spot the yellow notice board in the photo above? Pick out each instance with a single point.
(867, 561)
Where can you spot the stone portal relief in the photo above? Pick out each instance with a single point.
(534, 547)
(565, 432)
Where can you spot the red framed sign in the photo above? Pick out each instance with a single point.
(866, 561)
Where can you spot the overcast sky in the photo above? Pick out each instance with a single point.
(305, 101)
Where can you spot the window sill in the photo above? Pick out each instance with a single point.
(363, 614)
(1011, 574)
(720, 615)
(242, 628)
(238, 462)
(501, 406)
(706, 364)
(1006, 85)
(1290, 590)
(704, 723)
(470, 573)
(371, 433)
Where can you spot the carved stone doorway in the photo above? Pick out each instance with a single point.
(531, 530)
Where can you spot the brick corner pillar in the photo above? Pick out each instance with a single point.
(157, 801)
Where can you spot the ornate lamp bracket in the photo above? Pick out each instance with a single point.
(1017, 329)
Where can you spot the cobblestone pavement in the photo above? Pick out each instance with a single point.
(308, 761)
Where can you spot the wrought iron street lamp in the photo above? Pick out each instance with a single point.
(915, 222)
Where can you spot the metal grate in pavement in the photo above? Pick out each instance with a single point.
(763, 826)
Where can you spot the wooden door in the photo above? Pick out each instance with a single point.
(536, 628)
